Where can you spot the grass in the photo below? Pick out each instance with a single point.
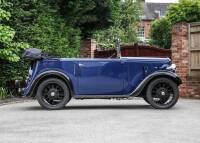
(3, 93)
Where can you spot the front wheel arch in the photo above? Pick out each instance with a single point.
(163, 76)
(144, 89)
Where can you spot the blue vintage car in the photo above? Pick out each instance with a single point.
(54, 81)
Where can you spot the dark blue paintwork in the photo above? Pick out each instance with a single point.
(100, 76)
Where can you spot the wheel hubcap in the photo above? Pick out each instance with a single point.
(53, 94)
(162, 93)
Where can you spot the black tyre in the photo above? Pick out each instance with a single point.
(53, 94)
(162, 93)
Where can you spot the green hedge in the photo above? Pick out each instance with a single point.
(184, 11)
(38, 23)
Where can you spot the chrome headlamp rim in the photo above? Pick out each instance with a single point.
(172, 67)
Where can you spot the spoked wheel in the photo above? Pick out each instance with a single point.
(162, 93)
(53, 94)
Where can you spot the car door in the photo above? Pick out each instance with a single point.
(101, 77)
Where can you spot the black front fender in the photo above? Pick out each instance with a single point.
(158, 74)
(167, 74)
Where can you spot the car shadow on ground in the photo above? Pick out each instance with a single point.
(96, 107)
(102, 107)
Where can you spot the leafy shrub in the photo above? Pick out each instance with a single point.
(124, 28)
(51, 34)
(89, 15)
(3, 93)
(38, 23)
(184, 11)
(9, 49)
(161, 33)
(105, 38)
(12, 71)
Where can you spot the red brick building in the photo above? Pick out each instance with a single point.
(152, 11)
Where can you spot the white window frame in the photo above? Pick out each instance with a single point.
(158, 12)
(141, 32)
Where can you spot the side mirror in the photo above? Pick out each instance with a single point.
(117, 45)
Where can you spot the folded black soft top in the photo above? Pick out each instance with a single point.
(32, 54)
(36, 54)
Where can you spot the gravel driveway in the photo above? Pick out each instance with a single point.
(100, 121)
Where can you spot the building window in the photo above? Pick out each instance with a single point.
(141, 31)
(157, 13)
(162, 13)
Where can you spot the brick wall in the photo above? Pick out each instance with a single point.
(87, 48)
(180, 56)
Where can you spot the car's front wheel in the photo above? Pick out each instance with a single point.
(162, 93)
(53, 93)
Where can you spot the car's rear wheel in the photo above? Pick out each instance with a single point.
(162, 93)
(53, 93)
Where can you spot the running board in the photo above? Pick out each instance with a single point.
(101, 96)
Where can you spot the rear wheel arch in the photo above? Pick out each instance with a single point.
(46, 76)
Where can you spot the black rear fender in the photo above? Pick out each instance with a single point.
(50, 74)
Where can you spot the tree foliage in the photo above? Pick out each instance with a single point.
(55, 26)
(125, 25)
(161, 33)
(184, 11)
(9, 49)
(89, 15)
(38, 23)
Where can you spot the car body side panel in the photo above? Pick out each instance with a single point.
(103, 77)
